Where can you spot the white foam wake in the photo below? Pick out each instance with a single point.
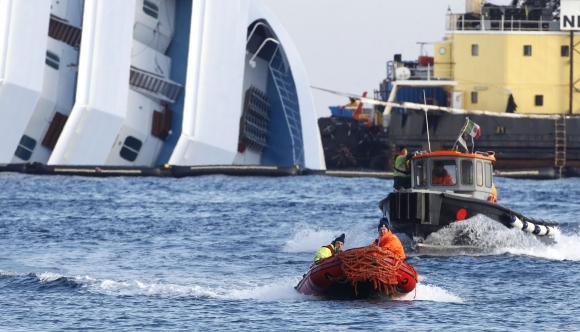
(281, 290)
(426, 292)
(496, 239)
(567, 247)
(307, 239)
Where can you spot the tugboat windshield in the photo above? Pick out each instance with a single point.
(443, 172)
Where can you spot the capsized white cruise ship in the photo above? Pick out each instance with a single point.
(59, 83)
(23, 40)
(208, 82)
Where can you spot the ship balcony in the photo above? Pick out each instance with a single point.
(154, 85)
(60, 29)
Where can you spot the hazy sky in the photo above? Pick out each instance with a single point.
(345, 44)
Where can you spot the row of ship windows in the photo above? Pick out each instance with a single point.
(538, 99)
(482, 172)
(129, 151)
(564, 50)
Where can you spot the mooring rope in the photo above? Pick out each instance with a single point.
(372, 263)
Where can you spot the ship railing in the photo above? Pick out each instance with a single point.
(458, 22)
(440, 71)
(60, 29)
(154, 85)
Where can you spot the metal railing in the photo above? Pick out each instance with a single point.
(458, 22)
(419, 72)
(154, 85)
(61, 30)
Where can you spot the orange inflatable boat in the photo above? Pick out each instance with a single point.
(368, 273)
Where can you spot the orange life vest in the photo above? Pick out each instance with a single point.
(331, 248)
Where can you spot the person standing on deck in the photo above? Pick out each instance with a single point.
(402, 173)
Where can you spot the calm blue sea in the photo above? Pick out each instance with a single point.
(221, 253)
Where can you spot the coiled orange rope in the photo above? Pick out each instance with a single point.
(371, 263)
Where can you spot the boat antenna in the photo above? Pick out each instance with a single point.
(426, 121)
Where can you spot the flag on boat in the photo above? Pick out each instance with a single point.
(472, 129)
(461, 141)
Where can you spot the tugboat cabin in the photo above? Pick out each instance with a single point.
(470, 174)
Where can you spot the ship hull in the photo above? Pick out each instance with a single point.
(519, 141)
(419, 214)
(348, 144)
(539, 147)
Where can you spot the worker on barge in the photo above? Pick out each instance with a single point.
(402, 172)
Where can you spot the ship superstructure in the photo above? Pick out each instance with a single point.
(511, 70)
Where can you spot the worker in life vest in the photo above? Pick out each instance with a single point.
(389, 240)
(440, 176)
(330, 250)
(402, 172)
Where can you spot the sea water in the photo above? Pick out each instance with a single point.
(221, 253)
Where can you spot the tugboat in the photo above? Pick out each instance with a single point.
(450, 186)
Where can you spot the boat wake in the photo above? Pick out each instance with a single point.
(481, 235)
(280, 290)
(426, 292)
(478, 235)
(307, 239)
(567, 247)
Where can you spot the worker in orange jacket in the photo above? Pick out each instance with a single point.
(389, 240)
(441, 176)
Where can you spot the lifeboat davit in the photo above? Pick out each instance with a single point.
(360, 273)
